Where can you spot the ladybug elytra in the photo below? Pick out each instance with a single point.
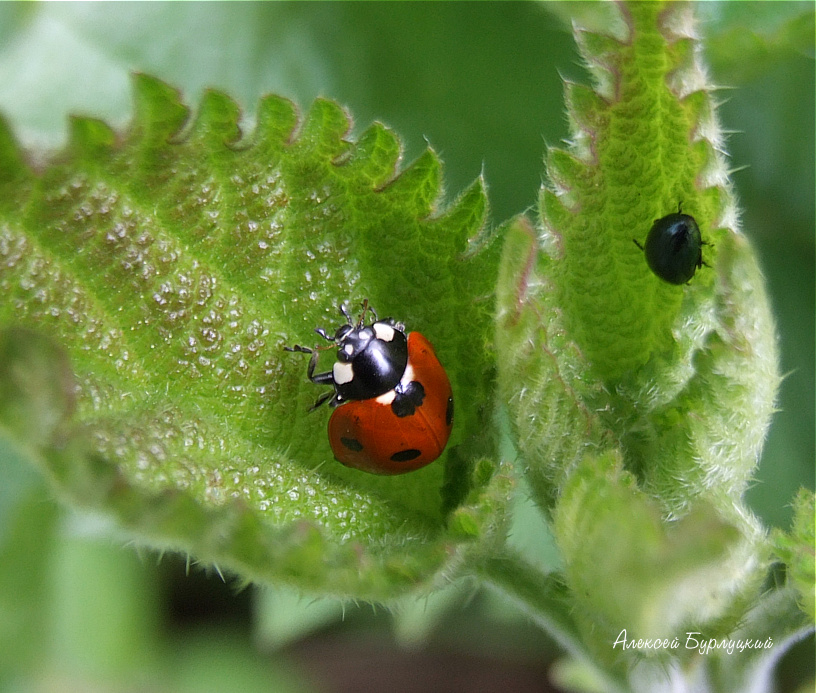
(674, 247)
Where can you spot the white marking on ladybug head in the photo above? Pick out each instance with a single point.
(383, 331)
(342, 373)
(386, 398)
(348, 349)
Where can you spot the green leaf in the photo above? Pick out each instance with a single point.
(174, 261)
(103, 614)
(747, 42)
(416, 616)
(283, 616)
(747, 658)
(220, 660)
(546, 601)
(26, 545)
(36, 387)
(797, 548)
(641, 579)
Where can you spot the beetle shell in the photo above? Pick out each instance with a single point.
(674, 248)
(403, 429)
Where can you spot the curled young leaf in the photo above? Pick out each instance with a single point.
(598, 351)
(640, 404)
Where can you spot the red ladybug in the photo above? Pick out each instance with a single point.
(393, 399)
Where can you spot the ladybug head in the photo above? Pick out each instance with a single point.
(342, 332)
(355, 337)
(340, 335)
(351, 341)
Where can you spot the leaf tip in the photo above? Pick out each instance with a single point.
(160, 113)
(217, 118)
(89, 138)
(277, 120)
(421, 180)
(376, 155)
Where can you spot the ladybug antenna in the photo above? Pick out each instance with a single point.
(366, 308)
(680, 207)
(345, 313)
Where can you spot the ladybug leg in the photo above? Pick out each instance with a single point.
(322, 399)
(320, 378)
(317, 378)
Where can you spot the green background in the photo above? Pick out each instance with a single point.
(480, 82)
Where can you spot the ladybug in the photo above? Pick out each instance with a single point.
(392, 400)
(674, 247)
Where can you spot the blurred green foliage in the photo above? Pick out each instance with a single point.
(482, 83)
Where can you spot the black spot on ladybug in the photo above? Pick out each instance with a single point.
(352, 444)
(405, 455)
(449, 411)
(408, 399)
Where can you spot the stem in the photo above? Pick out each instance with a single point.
(544, 598)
